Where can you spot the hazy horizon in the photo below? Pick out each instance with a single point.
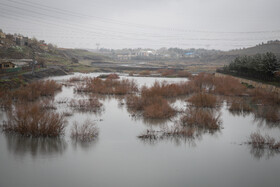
(215, 24)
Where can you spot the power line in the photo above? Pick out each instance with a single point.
(62, 11)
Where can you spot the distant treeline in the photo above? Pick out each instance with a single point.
(264, 67)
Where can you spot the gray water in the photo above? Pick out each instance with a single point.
(119, 158)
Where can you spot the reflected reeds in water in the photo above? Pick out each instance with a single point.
(84, 145)
(36, 147)
(259, 153)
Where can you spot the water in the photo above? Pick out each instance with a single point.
(119, 158)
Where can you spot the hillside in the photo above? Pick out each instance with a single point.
(271, 46)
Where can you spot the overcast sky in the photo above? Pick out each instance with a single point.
(211, 24)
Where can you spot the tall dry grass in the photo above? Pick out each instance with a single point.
(259, 141)
(269, 113)
(152, 106)
(91, 104)
(203, 100)
(239, 105)
(108, 86)
(34, 90)
(32, 120)
(200, 118)
(84, 132)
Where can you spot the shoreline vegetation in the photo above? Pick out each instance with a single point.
(31, 111)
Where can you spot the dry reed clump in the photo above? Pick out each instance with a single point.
(218, 85)
(75, 79)
(265, 97)
(34, 90)
(177, 131)
(152, 106)
(184, 73)
(270, 114)
(165, 89)
(180, 131)
(239, 105)
(228, 86)
(113, 76)
(203, 100)
(5, 99)
(91, 104)
(159, 109)
(85, 132)
(200, 118)
(167, 72)
(145, 73)
(109, 76)
(149, 134)
(33, 120)
(108, 86)
(203, 81)
(259, 141)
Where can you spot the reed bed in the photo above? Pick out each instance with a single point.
(92, 104)
(203, 99)
(200, 118)
(87, 131)
(108, 86)
(259, 141)
(33, 91)
(32, 120)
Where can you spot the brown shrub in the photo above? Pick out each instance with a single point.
(184, 73)
(33, 120)
(108, 86)
(259, 141)
(239, 105)
(203, 100)
(34, 90)
(168, 72)
(228, 86)
(75, 79)
(5, 99)
(196, 117)
(166, 90)
(270, 114)
(158, 109)
(145, 73)
(113, 76)
(203, 81)
(85, 132)
(265, 97)
(179, 130)
(91, 104)
(152, 106)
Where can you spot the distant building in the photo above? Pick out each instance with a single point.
(22, 41)
(10, 37)
(2, 35)
(44, 46)
(7, 65)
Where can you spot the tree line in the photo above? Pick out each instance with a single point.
(260, 66)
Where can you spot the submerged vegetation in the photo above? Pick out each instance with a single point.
(31, 109)
(84, 132)
(33, 120)
(259, 141)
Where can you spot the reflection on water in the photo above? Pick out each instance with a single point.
(259, 153)
(21, 146)
(165, 161)
(85, 145)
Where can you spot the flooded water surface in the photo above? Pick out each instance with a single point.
(119, 158)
